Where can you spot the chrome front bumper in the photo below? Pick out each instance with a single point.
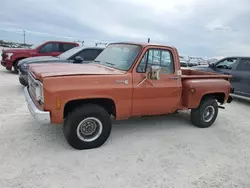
(42, 117)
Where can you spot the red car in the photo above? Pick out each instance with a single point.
(11, 57)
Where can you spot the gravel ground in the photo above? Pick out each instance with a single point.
(164, 151)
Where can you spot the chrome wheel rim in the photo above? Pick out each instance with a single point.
(89, 129)
(208, 113)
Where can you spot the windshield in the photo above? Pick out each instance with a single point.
(69, 53)
(119, 56)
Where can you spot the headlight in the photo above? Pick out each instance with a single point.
(39, 91)
(9, 55)
(37, 88)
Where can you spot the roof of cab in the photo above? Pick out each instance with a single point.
(236, 57)
(141, 44)
(59, 41)
(89, 47)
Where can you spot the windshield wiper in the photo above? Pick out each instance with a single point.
(108, 63)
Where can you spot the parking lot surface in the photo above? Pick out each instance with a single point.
(164, 151)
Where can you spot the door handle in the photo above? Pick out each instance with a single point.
(174, 77)
(226, 73)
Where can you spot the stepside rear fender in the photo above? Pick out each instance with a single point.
(194, 90)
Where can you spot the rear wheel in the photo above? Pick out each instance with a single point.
(205, 115)
(87, 127)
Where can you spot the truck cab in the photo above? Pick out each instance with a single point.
(126, 80)
(11, 57)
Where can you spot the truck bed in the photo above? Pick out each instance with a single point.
(190, 74)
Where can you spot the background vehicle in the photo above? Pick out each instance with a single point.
(190, 61)
(75, 55)
(11, 57)
(126, 80)
(238, 67)
(184, 61)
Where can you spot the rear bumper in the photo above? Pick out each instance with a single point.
(40, 116)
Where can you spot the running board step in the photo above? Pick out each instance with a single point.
(222, 107)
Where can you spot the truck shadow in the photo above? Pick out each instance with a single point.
(180, 118)
(48, 135)
(242, 101)
(5, 71)
(54, 133)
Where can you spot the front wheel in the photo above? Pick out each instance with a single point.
(15, 66)
(205, 115)
(87, 127)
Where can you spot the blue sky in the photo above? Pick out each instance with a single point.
(195, 27)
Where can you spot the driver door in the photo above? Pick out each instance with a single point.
(89, 55)
(241, 77)
(155, 97)
(228, 66)
(49, 49)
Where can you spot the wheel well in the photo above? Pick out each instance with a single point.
(107, 104)
(220, 97)
(18, 59)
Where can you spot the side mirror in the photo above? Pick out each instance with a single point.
(212, 65)
(154, 73)
(78, 59)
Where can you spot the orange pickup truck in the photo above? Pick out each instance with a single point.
(125, 80)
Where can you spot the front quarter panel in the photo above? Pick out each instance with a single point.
(68, 88)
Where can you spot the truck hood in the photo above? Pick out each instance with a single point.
(40, 71)
(13, 50)
(33, 59)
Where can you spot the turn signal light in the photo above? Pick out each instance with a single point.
(58, 103)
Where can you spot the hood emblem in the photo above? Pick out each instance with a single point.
(122, 81)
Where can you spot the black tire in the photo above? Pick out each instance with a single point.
(197, 115)
(72, 122)
(23, 82)
(15, 67)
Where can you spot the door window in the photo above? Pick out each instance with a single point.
(89, 55)
(244, 65)
(50, 47)
(227, 63)
(66, 47)
(162, 58)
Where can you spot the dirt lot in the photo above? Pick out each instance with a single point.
(157, 152)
